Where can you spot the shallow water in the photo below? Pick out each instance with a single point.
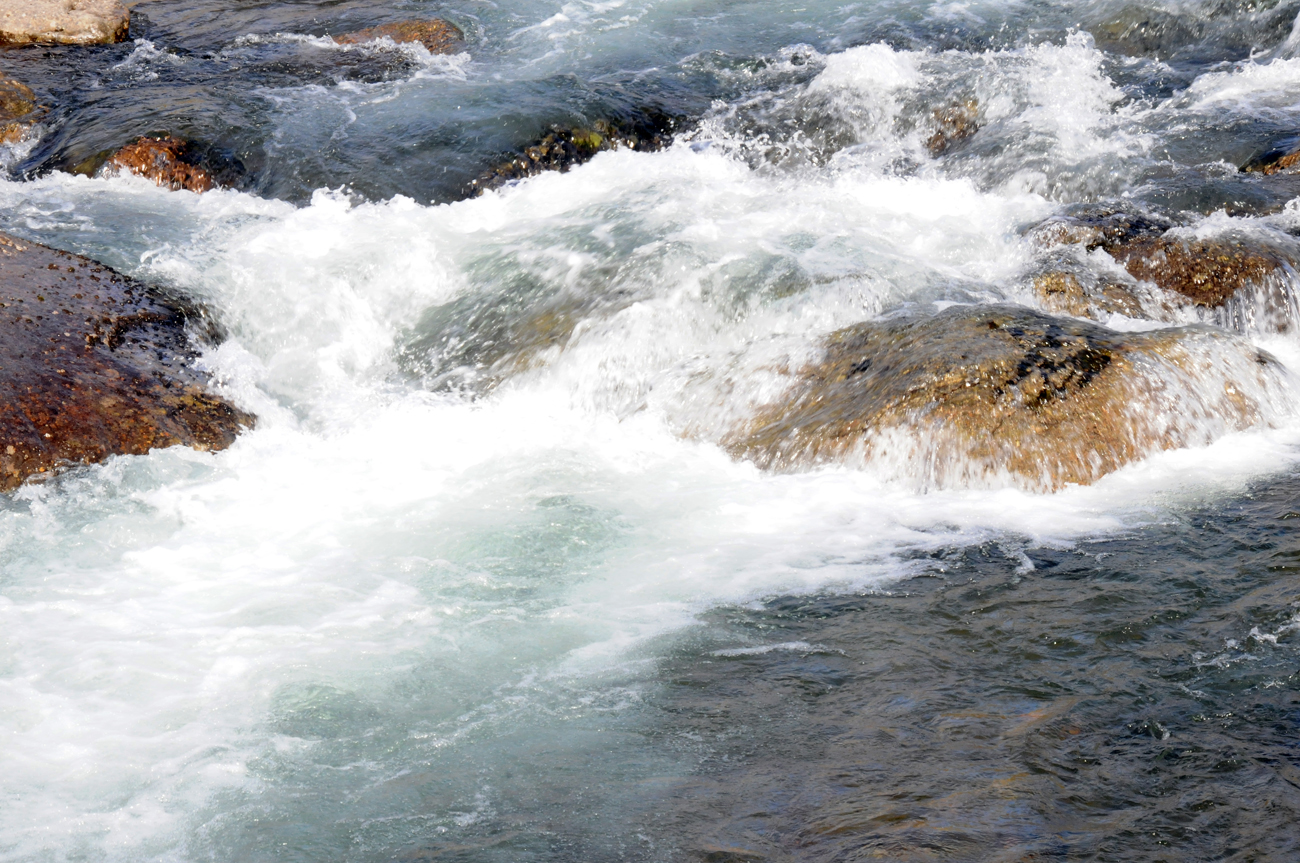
(483, 586)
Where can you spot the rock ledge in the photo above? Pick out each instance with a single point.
(93, 364)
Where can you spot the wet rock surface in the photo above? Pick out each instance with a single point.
(1067, 293)
(169, 161)
(436, 35)
(1207, 272)
(979, 392)
(77, 22)
(1275, 161)
(93, 364)
(954, 124)
(18, 109)
(565, 147)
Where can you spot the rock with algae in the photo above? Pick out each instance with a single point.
(1276, 161)
(94, 364)
(1001, 393)
(953, 125)
(77, 22)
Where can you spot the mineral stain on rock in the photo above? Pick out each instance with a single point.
(972, 393)
(94, 364)
(436, 35)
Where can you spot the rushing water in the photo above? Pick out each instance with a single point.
(482, 586)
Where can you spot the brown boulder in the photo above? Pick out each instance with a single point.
(437, 35)
(168, 161)
(18, 110)
(78, 22)
(975, 394)
(93, 364)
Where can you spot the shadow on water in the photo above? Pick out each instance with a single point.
(1130, 699)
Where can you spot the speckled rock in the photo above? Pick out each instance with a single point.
(974, 394)
(77, 22)
(436, 35)
(1065, 293)
(94, 364)
(1276, 161)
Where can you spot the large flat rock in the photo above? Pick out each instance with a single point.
(77, 22)
(94, 364)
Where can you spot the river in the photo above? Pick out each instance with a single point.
(482, 586)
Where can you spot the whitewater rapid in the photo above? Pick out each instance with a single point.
(402, 569)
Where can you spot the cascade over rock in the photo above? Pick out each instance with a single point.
(436, 35)
(564, 147)
(1247, 280)
(169, 161)
(975, 394)
(94, 364)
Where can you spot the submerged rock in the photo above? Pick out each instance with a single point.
(565, 147)
(975, 394)
(93, 364)
(1275, 161)
(436, 35)
(78, 22)
(954, 124)
(18, 110)
(169, 161)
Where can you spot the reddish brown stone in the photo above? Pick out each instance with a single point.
(94, 364)
(437, 35)
(1207, 272)
(163, 160)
